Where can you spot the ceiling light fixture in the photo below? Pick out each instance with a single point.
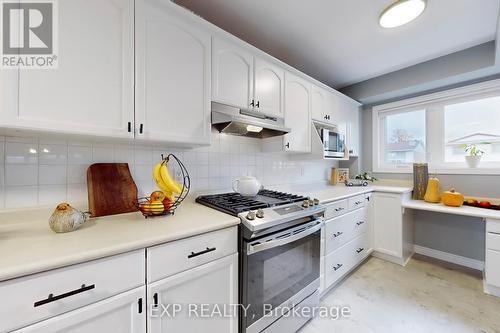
(401, 12)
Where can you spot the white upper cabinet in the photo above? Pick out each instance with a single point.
(297, 114)
(173, 56)
(269, 88)
(91, 91)
(232, 74)
(321, 108)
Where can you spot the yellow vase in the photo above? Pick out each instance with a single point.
(432, 193)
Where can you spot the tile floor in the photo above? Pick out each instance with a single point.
(425, 296)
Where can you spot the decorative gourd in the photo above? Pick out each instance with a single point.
(432, 192)
(452, 198)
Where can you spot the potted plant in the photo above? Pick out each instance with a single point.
(474, 156)
(366, 176)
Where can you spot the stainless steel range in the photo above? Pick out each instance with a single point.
(279, 244)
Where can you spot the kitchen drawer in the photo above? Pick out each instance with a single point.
(336, 208)
(343, 229)
(26, 300)
(341, 261)
(171, 258)
(493, 241)
(357, 202)
(493, 268)
(493, 226)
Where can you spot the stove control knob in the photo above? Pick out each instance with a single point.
(311, 203)
(316, 201)
(260, 213)
(305, 203)
(251, 215)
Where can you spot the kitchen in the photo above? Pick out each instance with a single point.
(220, 166)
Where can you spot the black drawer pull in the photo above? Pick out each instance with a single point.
(53, 298)
(155, 300)
(129, 127)
(192, 255)
(360, 223)
(337, 267)
(139, 304)
(339, 209)
(337, 234)
(361, 249)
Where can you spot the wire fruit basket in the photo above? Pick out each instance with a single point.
(152, 209)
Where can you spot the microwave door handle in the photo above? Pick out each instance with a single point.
(251, 249)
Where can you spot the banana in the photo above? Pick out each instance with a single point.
(168, 180)
(157, 178)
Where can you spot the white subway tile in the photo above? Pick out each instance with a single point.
(124, 154)
(52, 175)
(21, 153)
(77, 195)
(21, 175)
(80, 154)
(21, 196)
(143, 173)
(53, 154)
(51, 194)
(143, 155)
(77, 173)
(102, 154)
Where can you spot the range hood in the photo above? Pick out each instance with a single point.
(235, 121)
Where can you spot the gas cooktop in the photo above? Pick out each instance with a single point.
(234, 203)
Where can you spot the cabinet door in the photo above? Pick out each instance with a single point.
(91, 91)
(269, 88)
(387, 224)
(320, 109)
(351, 113)
(297, 114)
(173, 75)
(212, 284)
(232, 74)
(124, 313)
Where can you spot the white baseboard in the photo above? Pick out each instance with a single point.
(449, 257)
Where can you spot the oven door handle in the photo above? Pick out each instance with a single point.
(251, 249)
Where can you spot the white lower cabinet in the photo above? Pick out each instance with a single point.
(492, 260)
(393, 228)
(124, 313)
(346, 238)
(199, 294)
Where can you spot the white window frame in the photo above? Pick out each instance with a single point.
(434, 129)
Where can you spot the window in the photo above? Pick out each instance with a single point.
(437, 128)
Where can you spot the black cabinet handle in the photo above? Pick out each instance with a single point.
(337, 234)
(139, 303)
(287, 145)
(53, 298)
(337, 267)
(360, 223)
(339, 209)
(360, 250)
(193, 254)
(253, 103)
(141, 127)
(258, 104)
(155, 300)
(129, 127)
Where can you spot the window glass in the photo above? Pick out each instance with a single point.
(404, 138)
(476, 122)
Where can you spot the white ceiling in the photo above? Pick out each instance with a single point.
(339, 42)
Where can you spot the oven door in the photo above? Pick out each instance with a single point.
(333, 143)
(279, 270)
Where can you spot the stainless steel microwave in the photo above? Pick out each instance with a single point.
(333, 143)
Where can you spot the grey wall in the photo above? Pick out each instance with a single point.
(458, 235)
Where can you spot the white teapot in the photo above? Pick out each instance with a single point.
(247, 186)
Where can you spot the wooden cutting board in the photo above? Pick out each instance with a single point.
(111, 189)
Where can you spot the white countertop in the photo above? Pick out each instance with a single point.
(464, 210)
(328, 193)
(27, 245)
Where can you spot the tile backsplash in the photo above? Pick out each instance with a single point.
(38, 171)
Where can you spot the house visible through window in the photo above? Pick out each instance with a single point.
(437, 129)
